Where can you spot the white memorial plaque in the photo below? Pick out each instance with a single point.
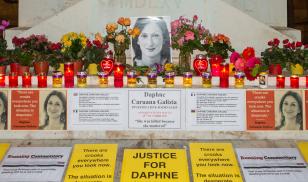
(272, 164)
(97, 109)
(214, 109)
(155, 109)
(34, 164)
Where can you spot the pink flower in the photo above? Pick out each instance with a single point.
(175, 25)
(189, 35)
(234, 56)
(251, 63)
(195, 18)
(181, 41)
(240, 64)
(4, 24)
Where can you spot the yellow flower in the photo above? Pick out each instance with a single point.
(74, 35)
(67, 43)
(120, 38)
(169, 67)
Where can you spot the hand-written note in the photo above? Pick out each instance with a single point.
(260, 110)
(95, 162)
(214, 162)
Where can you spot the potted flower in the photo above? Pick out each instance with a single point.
(120, 37)
(3, 46)
(296, 56)
(23, 58)
(94, 52)
(73, 46)
(187, 36)
(55, 58)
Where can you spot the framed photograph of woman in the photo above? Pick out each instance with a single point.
(288, 110)
(152, 46)
(3, 111)
(53, 110)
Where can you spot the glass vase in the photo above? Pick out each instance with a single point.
(119, 53)
(184, 60)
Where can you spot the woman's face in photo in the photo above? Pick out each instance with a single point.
(2, 109)
(290, 107)
(54, 107)
(151, 40)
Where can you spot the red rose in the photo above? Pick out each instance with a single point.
(299, 44)
(270, 43)
(249, 52)
(293, 45)
(276, 42)
(285, 41)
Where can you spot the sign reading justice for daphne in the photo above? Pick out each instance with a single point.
(154, 109)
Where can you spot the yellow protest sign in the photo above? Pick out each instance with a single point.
(303, 147)
(3, 149)
(214, 162)
(154, 165)
(92, 162)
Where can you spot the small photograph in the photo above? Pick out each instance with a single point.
(152, 46)
(52, 110)
(3, 111)
(288, 110)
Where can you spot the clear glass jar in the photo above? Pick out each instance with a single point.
(152, 79)
(102, 79)
(169, 80)
(239, 80)
(187, 79)
(81, 79)
(206, 80)
(57, 79)
(131, 79)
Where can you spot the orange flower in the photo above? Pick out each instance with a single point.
(135, 32)
(127, 22)
(222, 38)
(99, 37)
(249, 52)
(111, 27)
(121, 21)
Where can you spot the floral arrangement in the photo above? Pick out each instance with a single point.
(247, 62)
(297, 53)
(218, 45)
(3, 44)
(188, 35)
(73, 45)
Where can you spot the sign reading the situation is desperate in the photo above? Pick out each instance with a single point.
(92, 162)
(3, 149)
(272, 164)
(34, 164)
(154, 165)
(214, 162)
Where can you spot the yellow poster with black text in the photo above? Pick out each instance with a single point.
(214, 162)
(154, 165)
(303, 147)
(92, 162)
(3, 149)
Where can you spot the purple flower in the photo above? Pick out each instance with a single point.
(5, 23)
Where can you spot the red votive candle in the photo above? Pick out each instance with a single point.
(68, 74)
(42, 80)
(13, 79)
(306, 81)
(215, 61)
(2, 80)
(280, 81)
(118, 75)
(294, 81)
(26, 79)
(224, 75)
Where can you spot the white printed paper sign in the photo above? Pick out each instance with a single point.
(97, 109)
(154, 109)
(272, 164)
(215, 109)
(34, 164)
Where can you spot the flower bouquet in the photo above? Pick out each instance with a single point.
(3, 45)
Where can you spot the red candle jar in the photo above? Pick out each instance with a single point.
(224, 75)
(200, 64)
(2, 80)
(306, 81)
(280, 81)
(26, 79)
(68, 74)
(118, 75)
(294, 81)
(42, 80)
(215, 61)
(13, 79)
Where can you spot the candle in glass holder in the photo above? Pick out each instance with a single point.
(131, 79)
(68, 74)
(81, 79)
(57, 79)
(103, 79)
(169, 80)
(263, 80)
(215, 61)
(118, 75)
(152, 79)
(42, 80)
(2, 80)
(280, 81)
(26, 79)
(187, 79)
(13, 79)
(239, 78)
(294, 81)
(206, 80)
(306, 81)
(224, 75)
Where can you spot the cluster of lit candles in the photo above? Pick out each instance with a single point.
(118, 70)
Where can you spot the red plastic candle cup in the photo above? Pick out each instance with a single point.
(42, 80)
(13, 79)
(306, 81)
(215, 61)
(118, 75)
(2, 80)
(26, 80)
(280, 81)
(224, 75)
(69, 75)
(294, 81)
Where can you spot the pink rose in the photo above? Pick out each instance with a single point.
(189, 35)
(181, 41)
(240, 64)
(234, 56)
(251, 63)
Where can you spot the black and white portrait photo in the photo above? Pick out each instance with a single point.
(52, 110)
(3, 111)
(152, 46)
